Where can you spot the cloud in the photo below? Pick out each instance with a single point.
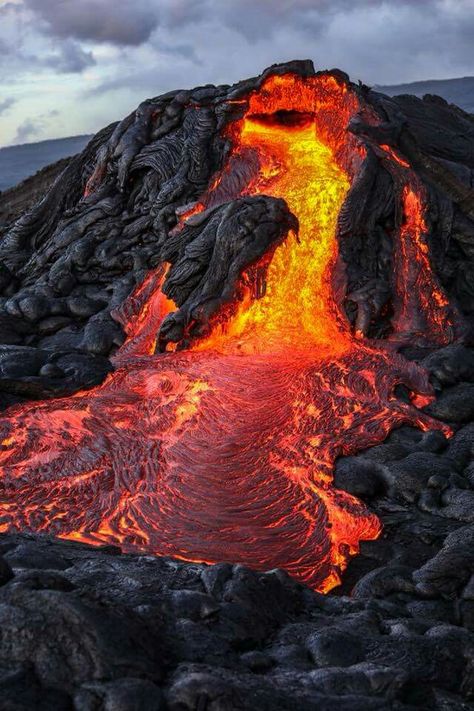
(224, 41)
(184, 51)
(33, 127)
(147, 83)
(119, 22)
(70, 59)
(261, 19)
(29, 128)
(24, 49)
(6, 104)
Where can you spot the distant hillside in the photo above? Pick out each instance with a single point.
(21, 198)
(19, 162)
(456, 91)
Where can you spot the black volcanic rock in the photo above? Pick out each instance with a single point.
(358, 477)
(456, 404)
(27, 372)
(450, 365)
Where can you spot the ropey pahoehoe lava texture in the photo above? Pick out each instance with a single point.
(207, 309)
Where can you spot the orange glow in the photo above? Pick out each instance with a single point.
(394, 156)
(423, 308)
(225, 451)
(421, 400)
(297, 166)
(194, 210)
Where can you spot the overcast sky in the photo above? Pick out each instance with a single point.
(73, 66)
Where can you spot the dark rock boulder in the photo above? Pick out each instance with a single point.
(456, 404)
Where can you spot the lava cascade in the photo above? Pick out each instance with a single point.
(225, 451)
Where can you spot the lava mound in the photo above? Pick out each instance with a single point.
(214, 301)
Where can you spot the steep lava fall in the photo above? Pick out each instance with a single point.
(225, 451)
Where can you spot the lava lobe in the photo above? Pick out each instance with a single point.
(215, 437)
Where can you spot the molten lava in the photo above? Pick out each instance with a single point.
(225, 451)
(297, 311)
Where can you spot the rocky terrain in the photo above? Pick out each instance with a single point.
(92, 628)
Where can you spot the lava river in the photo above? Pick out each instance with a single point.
(224, 452)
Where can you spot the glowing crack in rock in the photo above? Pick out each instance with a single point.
(224, 451)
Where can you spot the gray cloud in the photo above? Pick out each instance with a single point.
(185, 51)
(6, 104)
(190, 28)
(33, 127)
(149, 82)
(70, 59)
(116, 21)
(260, 19)
(29, 128)
(23, 49)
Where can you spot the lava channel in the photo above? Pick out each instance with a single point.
(225, 451)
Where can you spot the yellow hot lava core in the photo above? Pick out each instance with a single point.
(298, 308)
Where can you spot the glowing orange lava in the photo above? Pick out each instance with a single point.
(297, 311)
(225, 451)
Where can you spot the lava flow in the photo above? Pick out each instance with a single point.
(224, 452)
